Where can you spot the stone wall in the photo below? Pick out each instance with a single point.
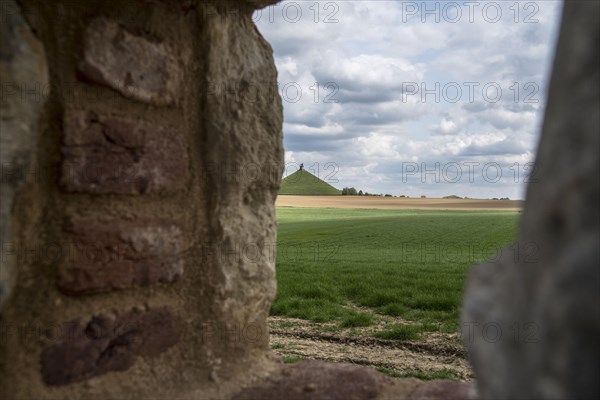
(531, 321)
(145, 259)
(23, 72)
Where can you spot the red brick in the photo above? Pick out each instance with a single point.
(107, 343)
(139, 67)
(119, 254)
(106, 154)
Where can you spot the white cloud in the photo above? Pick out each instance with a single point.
(446, 127)
(345, 102)
(301, 129)
(502, 118)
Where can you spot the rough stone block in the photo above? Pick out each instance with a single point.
(105, 154)
(545, 304)
(22, 66)
(107, 343)
(261, 3)
(241, 135)
(119, 254)
(141, 68)
(319, 380)
(441, 389)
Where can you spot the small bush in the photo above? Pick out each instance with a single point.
(394, 309)
(401, 332)
(354, 320)
(291, 359)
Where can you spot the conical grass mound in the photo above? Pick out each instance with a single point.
(304, 183)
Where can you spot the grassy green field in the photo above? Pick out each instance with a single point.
(348, 265)
(306, 184)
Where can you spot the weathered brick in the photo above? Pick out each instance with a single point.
(119, 254)
(107, 343)
(139, 67)
(106, 154)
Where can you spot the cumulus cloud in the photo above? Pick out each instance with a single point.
(370, 85)
(446, 126)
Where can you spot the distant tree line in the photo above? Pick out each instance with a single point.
(351, 191)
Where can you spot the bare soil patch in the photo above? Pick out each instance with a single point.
(435, 352)
(396, 203)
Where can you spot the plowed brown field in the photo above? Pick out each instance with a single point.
(397, 203)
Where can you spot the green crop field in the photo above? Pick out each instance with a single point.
(350, 265)
(306, 184)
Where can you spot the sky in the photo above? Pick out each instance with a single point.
(414, 98)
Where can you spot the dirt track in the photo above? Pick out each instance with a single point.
(293, 337)
(397, 203)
